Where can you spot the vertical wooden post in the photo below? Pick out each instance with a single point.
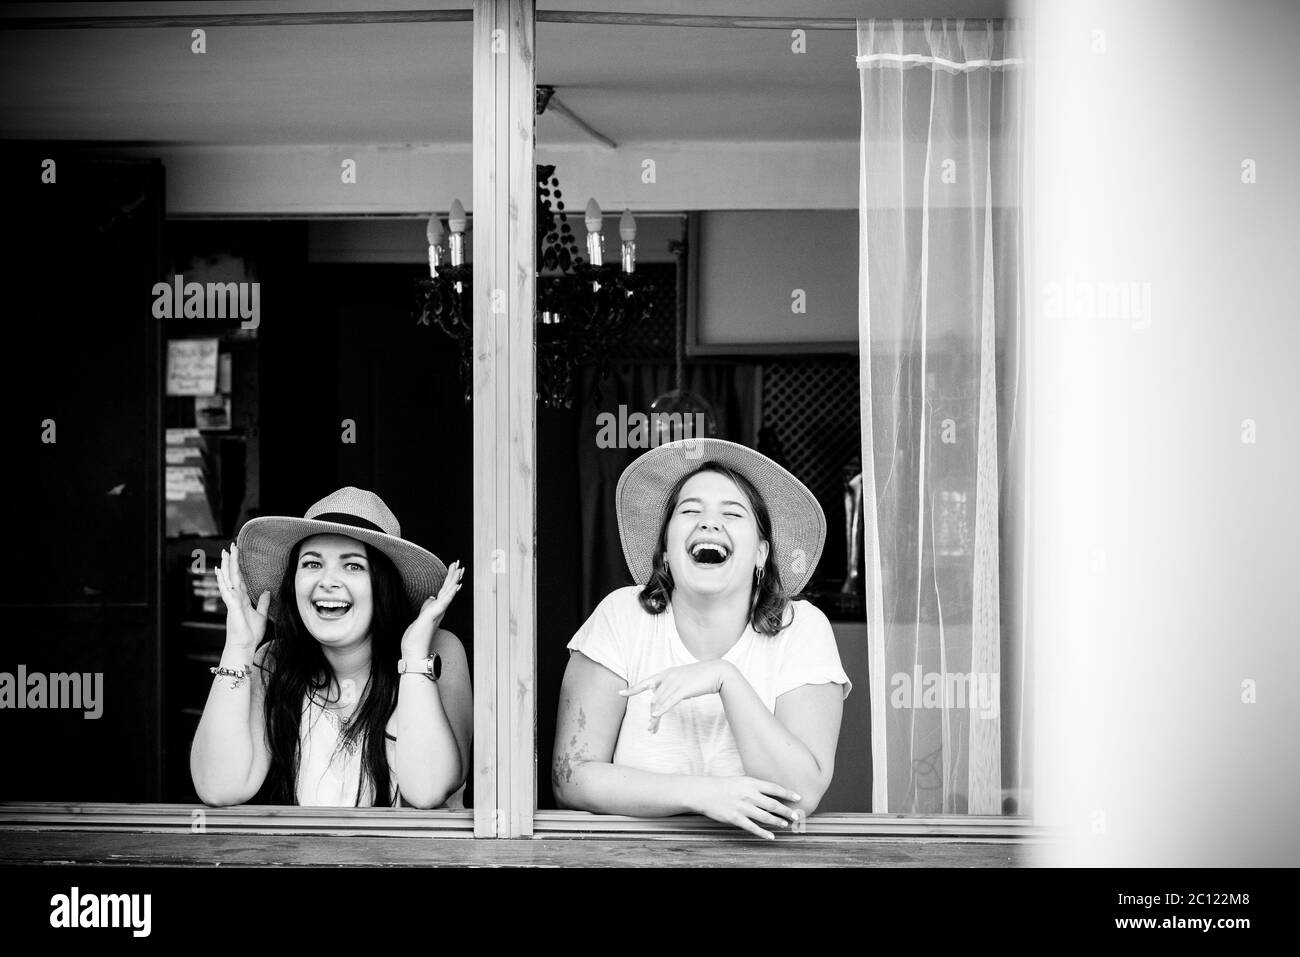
(505, 268)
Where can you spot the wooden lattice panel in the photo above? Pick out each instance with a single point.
(810, 407)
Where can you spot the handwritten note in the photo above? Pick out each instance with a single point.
(192, 367)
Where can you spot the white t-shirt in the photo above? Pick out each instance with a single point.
(693, 736)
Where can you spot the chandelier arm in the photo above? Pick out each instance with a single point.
(582, 312)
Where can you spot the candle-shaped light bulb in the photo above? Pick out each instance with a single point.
(593, 216)
(595, 241)
(627, 232)
(435, 232)
(456, 220)
(437, 237)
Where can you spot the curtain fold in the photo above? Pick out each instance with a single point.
(941, 366)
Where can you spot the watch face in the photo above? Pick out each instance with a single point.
(435, 667)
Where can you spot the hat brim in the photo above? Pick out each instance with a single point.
(265, 545)
(641, 500)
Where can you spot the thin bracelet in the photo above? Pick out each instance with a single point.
(239, 676)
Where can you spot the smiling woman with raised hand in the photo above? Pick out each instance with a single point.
(705, 688)
(353, 697)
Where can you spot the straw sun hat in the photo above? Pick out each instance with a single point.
(641, 499)
(265, 544)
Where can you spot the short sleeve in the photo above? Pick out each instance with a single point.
(811, 655)
(602, 636)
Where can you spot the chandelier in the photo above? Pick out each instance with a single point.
(584, 306)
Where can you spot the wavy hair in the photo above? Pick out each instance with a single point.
(296, 667)
(768, 599)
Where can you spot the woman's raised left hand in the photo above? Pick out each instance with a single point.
(677, 684)
(418, 638)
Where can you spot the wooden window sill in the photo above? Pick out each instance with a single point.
(118, 848)
(171, 835)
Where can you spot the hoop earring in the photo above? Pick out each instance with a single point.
(759, 573)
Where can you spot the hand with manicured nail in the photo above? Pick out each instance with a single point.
(748, 803)
(418, 638)
(675, 685)
(245, 623)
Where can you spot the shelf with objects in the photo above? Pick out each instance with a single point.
(210, 417)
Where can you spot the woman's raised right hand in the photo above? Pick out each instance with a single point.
(747, 803)
(245, 624)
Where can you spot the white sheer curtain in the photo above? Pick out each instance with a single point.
(942, 431)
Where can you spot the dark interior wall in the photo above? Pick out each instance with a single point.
(81, 475)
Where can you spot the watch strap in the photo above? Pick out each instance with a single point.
(431, 666)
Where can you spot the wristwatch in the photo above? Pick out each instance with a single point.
(431, 666)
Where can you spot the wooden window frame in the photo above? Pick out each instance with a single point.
(443, 824)
(505, 459)
(504, 416)
(504, 550)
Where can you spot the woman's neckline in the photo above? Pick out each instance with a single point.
(676, 636)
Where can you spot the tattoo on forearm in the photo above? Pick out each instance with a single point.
(561, 770)
(571, 755)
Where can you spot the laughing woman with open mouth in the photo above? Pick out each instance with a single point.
(705, 688)
(353, 697)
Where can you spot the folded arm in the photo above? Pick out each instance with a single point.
(582, 773)
(796, 745)
(584, 776)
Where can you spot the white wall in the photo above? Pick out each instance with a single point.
(410, 180)
(307, 180)
(1164, 441)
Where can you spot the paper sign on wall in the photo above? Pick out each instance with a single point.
(192, 367)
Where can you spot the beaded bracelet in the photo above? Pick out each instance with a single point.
(239, 676)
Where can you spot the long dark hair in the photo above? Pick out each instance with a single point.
(768, 599)
(297, 667)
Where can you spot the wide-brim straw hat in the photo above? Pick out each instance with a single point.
(265, 544)
(641, 500)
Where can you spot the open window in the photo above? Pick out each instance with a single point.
(736, 147)
(243, 207)
(770, 338)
